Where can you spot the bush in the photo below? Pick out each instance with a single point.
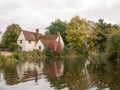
(113, 47)
(2, 58)
(35, 55)
(13, 47)
(50, 53)
(31, 55)
(47, 51)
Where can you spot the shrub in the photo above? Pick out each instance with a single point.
(35, 55)
(31, 55)
(113, 46)
(47, 51)
(2, 58)
(13, 47)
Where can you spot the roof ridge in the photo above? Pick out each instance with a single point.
(28, 31)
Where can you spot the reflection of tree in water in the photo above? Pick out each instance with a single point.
(113, 75)
(54, 70)
(105, 75)
(10, 74)
(22, 72)
(74, 75)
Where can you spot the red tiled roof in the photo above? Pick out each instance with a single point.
(48, 37)
(33, 36)
(45, 38)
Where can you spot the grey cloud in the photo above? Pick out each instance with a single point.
(31, 14)
(110, 13)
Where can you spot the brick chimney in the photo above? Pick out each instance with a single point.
(37, 34)
(58, 34)
(37, 31)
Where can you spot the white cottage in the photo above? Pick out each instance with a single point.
(28, 41)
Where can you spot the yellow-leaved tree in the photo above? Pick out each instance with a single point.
(76, 32)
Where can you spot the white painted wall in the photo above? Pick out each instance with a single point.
(61, 40)
(23, 44)
(29, 47)
(39, 43)
(26, 46)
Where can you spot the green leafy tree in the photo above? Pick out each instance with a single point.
(57, 26)
(104, 30)
(76, 32)
(98, 33)
(10, 36)
(92, 40)
(113, 47)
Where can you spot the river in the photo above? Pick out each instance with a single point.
(59, 74)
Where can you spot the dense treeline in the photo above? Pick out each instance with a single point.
(88, 37)
(81, 37)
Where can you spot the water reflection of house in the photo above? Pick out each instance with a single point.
(54, 69)
(29, 71)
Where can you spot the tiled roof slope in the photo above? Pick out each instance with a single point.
(33, 36)
(45, 38)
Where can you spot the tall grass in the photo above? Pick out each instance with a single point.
(34, 55)
(7, 60)
(72, 53)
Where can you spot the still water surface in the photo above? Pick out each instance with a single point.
(57, 74)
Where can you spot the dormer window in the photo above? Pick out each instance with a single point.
(29, 42)
(20, 41)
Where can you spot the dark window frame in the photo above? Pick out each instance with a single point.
(20, 41)
(29, 41)
(20, 48)
(39, 47)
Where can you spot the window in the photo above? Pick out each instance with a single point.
(39, 47)
(29, 42)
(20, 41)
(20, 48)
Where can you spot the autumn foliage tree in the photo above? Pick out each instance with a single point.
(76, 32)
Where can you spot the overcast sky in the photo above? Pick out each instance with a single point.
(32, 14)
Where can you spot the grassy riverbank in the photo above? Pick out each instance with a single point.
(21, 56)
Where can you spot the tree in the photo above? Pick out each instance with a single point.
(76, 32)
(57, 26)
(10, 36)
(104, 30)
(113, 46)
(92, 33)
(98, 33)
